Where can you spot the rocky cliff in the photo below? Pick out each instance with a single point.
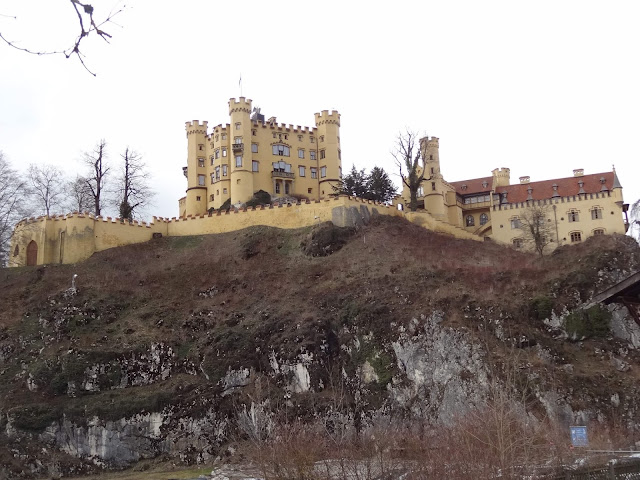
(179, 347)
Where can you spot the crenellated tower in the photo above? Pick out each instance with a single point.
(240, 163)
(501, 177)
(196, 201)
(329, 153)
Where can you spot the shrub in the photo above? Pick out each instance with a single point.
(583, 324)
(35, 417)
(259, 198)
(540, 308)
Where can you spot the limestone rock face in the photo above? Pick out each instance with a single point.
(445, 372)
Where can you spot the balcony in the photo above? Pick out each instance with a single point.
(238, 147)
(276, 174)
(184, 170)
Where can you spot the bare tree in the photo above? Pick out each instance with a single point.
(47, 187)
(13, 204)
(634, 220)
(96, 162)
(133, 192)
(88, 26)
(537, 230)
(407, 157)
(79, 196)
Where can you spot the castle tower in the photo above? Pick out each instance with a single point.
(329, 156)
(430, 149)
(434, 196)
(196, 199)
(501, 177)
(240, 162)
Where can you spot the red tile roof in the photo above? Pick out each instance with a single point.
(473, 186)
(566, 187)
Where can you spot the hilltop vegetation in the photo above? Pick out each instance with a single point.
(303, 325)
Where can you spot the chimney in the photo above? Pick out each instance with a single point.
(578, 172)
(524, 180)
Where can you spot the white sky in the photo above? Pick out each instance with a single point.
(541, 87)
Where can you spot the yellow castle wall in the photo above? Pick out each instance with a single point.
(611, 222)
(76, 237)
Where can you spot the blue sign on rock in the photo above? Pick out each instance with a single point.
(579, 436)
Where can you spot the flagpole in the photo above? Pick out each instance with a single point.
(240, 84)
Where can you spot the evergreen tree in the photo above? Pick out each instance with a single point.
(379, 186)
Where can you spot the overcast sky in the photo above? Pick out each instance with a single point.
(541, 87)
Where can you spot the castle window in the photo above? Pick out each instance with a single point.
(470, 221)
(573, 216)
(217, 173)
(340, 171)
(430, 157)
(431, 170)
(274, 134)
(314, 172)
(286, 188)
(238, 160)
(211, 197)
(596, 213)
(301, 170)
(224, 151)
(217, 153)
(237, 140)
(517, 242)
(277, 187)
(281, 167)
(217, 192)
(312, 154)
(286, 137)
(281, 150)
(597, 231)
(224, 170)
(322, 154)
(200, 146)
(484, 218)
(217, 136)
(321, 138)
(198, 199)
(300, 153)
(323, 172)
(238, 125)
(576, 237)
(433, 186)
(299, 138)
(339, 155)
(485, 184)
(420, 192)
(201, 162)
(311, 139)
(254, 148)
(309, 190)
(224, 136)
(213, 178)
(254, 166)
(212, 159)
(515, 223)
(224, 191)
(16, 251)
(254, 132)
(200, 179)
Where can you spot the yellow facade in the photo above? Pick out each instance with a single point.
(233, 161)
(575, 207)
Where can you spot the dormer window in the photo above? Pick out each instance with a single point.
(485, 184)
(463, 187)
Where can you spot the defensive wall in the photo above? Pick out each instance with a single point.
(75, 237)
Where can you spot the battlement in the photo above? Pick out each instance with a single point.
(241, 105)
(327, 118)
(289, 128)
(195, 127)
(552, 201)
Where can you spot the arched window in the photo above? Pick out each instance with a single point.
(484, 218)
(470, 221)
(16, 251)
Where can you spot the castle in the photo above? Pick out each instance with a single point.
(574, 208)
(232, 162)
(249, 154)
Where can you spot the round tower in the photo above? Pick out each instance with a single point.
(196, 199)
(241, 187)
(430, 149)
(329, 154)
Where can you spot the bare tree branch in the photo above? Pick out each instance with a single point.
(47, 187)
(407, 156)
(88, 26)
(96, 162)
(13, 204)
(133, 191)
